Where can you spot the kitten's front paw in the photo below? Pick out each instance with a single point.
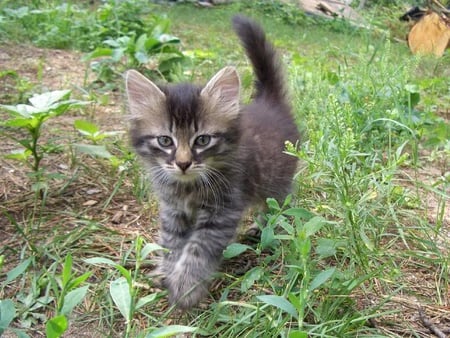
(184, 291)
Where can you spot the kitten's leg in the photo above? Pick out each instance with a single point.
(173, 237)
(198, 259)
(254, 230)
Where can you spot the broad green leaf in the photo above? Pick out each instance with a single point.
(100, 260)
(61, 107)
(251, 277)
(140, 43)
(19, 154)
(67, 270)
(93, 150)
(73, 298)
(151, 44)
(326, 247)
(414, 94)
(295, 300)
(267, 237)
(321, 278)
(23, 110)
(79, 280)
(366, 240)
(167, 38)
(298, 334)
(170, 331)
(27, 143)
(148, 248)
(125, 273)
(279, 302)
(7, 313)
(145, 300)
(235, 249)
(115, 43)
(98, 52)
(273, 204)
(287, 201)
(287, 226)
(120, 293)
(117, 54)
(18, 270)
(56, 326)
(142, 57)
(313, 225)
(86, 127)
(28, 123)
(47, 99)
(299, 212)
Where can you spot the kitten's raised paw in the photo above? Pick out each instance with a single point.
(185, 293)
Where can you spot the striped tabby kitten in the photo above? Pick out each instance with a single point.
(210, 158)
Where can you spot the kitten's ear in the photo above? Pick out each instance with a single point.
(224, 87)
(144, 96)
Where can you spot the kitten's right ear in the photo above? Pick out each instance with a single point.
(143, 95)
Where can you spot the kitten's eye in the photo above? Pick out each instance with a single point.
(202, 140)
(165, 141)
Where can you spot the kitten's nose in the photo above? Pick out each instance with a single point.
(183, 165)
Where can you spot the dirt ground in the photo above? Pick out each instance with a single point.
(60, 69)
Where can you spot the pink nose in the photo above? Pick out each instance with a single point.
(183, 165)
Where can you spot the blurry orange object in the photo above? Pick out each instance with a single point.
(430, 35)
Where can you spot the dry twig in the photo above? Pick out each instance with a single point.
(430, 326)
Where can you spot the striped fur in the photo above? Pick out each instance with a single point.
(211, 158)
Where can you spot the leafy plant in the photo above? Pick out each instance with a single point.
(154, 53)
(122, 159)
(124, 290)
(308, 295)
(7, 314)
(64, 289)
(15, 87)
(29, 118)
(68, 294)
(71, 25)
(8, 309)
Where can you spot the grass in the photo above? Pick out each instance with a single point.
(358, 251)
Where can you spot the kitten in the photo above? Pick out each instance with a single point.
(210, 159)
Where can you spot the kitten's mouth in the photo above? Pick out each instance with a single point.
(186, 176)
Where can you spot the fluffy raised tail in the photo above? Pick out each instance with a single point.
(269, 81)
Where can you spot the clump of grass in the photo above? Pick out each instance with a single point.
(59, 24)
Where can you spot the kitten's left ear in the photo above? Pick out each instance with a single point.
(224, 87)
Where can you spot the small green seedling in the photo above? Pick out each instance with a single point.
(30, 118)
(68, 294)
(92, 132)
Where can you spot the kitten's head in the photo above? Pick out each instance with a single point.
(184, 133)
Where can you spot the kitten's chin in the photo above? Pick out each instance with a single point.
(185, 177)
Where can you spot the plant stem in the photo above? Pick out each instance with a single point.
(36, 156)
